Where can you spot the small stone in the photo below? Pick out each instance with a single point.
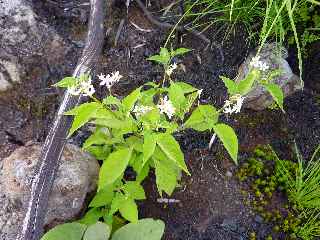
(259, 98)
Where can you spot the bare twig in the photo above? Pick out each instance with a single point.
(32, 228)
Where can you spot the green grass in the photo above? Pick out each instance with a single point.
(302, 184)
(311, 228)
(264, 20)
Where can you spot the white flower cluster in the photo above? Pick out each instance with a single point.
(141, 110)
(109, 80)
(233, 105)
(84, 87)
(260, 65)
(171, 68)
(165, 106)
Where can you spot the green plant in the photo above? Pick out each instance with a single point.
(144, 229)
(138, 132)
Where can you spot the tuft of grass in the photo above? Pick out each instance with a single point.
(311, 227)
(303, 183)
(277, 19)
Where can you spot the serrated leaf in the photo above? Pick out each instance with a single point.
(83, 114)
(171, 148)
(230, 85)
(66, 82)
(70, 231)
(246, 84)
(129, 101)
(276, 93)
(166, 176)
(129, 210)
(229, 139)
(177, 98)
(202, 118)
(149, 144)
(144, 229)
(91, 217)
(114, 166)
(99, 152)
(103, 197)
(135, 190)
(97, 231)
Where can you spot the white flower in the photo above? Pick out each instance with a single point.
(84, 87)
(87, 88)
(200, 92)
(165, 106)
(141, 110)
(171, 68)
(108, 80)
(233, 105)
(74, 90)
(256, 63)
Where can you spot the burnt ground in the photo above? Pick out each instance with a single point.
(211, 206)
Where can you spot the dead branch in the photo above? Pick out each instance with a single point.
(32, 228)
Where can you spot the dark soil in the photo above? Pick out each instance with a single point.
(211, 206)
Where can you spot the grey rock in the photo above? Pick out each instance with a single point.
(76, 178)
(24, 40)
(274, 56)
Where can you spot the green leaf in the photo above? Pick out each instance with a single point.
(149, 144)
(171, 148)
(83, 114)
(111, 100)
(276, 93)
(129, 210)
(230, 85)
(114, 166)
(143, 173)
(103, 197)
(144, 229)
(117, 201)
(163, 57)
(66, 82)
(179, 51)
(229, 139)
(97, 138)
(177, 98)
(135, 190)
(129, 101)
(166, 176)
(202, 118)
(91, 217)
(246, 84)
(164, 53)
(185, 87)
(70, 231)
(99, 152)
(135, 142)
(97, 231)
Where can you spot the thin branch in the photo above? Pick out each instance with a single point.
(32, 228)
